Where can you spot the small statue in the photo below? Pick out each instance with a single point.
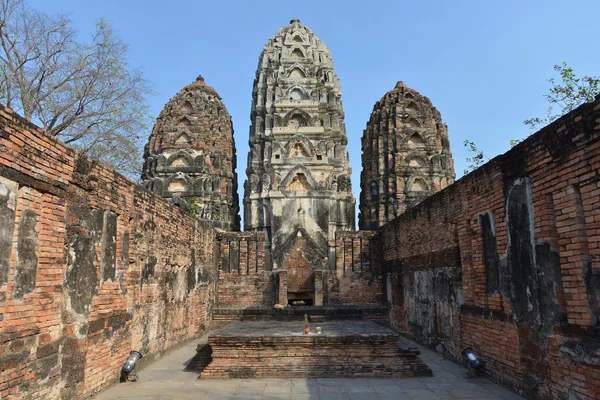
(314, 95)
(306, 326)
(266, 183)
(254, 182)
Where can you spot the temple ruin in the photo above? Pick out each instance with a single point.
(190, 157)
(405, 156)
(298, 189)
(503, 261)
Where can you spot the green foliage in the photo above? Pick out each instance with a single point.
(567, 95)
(319, 85)
(564, 97)
(195, 206)
(477, 159)
(514, 142)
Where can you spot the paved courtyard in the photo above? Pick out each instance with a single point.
(167, 379)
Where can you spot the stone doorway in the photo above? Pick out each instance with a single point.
(300, 263)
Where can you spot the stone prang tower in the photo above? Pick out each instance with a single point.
(405, 156)
(298, 188)
(190, 156)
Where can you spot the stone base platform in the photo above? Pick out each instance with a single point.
(223, 316)
(346, 348)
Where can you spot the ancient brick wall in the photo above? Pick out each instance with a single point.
(357, 278)
(507, 261)
(243, 281)
(92, 266)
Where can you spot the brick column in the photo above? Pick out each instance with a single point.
(282, 288)
(318, 288)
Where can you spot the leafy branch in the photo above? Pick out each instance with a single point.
(564, 96)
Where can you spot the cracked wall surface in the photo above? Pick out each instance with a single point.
(92, 266)
(298, 175)
(506, 261)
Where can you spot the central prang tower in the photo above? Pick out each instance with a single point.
(298, 188)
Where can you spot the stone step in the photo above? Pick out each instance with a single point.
(260, 349)
(328, 313)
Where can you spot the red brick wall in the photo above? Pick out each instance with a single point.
(357, 278)
(507, 261)
(243, 281)
(94, 267)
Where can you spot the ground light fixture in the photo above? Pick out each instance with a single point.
(127, 370)
(474, 364)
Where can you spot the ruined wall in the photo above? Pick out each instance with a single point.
(243, 281)
(91, 267)
(357, 277)
(507, 261)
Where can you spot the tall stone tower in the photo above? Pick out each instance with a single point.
(405, 156)
(190, 156)
(298, 188)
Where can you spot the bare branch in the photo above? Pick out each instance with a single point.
(84, 93)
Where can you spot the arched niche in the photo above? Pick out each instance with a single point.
(413, 123)
(412, 107)
(296, 119)
(418, 185)
(187, 107)
(296, 94)
(297, 53)
(184, 122)
(183, 139)
(299, 177)
(299, 182)
(179, 158)
(299, 143)
(299, 150)
(297, 73)
(416, 141)
(436, 161)
(177, 185)
(179, 161)
(338, 151)
(416, 161)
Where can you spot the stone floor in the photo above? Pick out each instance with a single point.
(273, 328)
(167, 379)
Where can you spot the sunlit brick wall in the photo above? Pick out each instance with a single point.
(92, 266)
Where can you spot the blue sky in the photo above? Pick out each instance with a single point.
(484, 64)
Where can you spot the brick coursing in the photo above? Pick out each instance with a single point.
(117, 269)
(521, 286)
